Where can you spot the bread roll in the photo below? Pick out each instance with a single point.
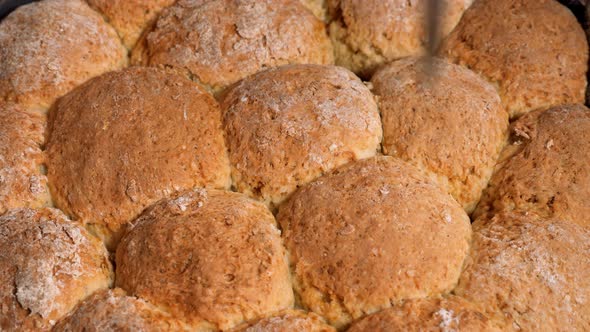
(212, 258)
(287, 321)
(370, 235)
(22, 182)
(533, 272)
(286, 126)
(452, 125)
(546, 167)
(369, 33)
(112, 310)
(47, 265)
(436, 314)
(220, 42)
(130, 17)
(535, 52)
(126, 139)
(49, 47)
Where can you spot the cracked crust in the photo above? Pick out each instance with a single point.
(533, 272)
(287, 126)
(212, 258)
(370, 235)
(113, 310)
(220, 42)
(22, 182)
(534, 51)
(451, 313)
(49, 47)
(130, 17)
(369, 33)
(544, 169)
(287, 321)
(126, 139)
(48, 264)
(452, 125)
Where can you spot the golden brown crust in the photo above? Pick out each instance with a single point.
(22, 182)
(371, 234)
(49, 47)
(47, 265)
(287, 126)
(130, 17)
(368, 33)
(287, 321)
(222, 41)
(212, 258)
(428, 315)
(113, 310)
(533, 272)
(534, 51)
(452, 125)
(126, 139)
(545, 168)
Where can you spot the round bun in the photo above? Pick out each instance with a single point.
(533, 272)
(287, 321)
(113, 310)
(436, 314)
(371, 234)
(22, 183)
(47, 265)
(212, 258)
(369, 33)
(452, 125)
(286, 126)
(545, 168)
(130, 17)
(49, 47)
(222, 41)
(126, 139)
(535, 52)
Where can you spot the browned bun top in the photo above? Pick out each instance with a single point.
(130, 17)
(369, 33)
(452, 125)
(112, 310)
(545, 168)
(286, 126)
(49, 47)
(22, 182)
(371, 234)
(222, 41)
(287, 321)
(126, 139)
(212, 258)
(47, 265)
(534, 272)
(435, 314)
(534, 51)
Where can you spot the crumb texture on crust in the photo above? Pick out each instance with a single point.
(545, 167)
(130, 17)
(126, 139)
(535, 52)
(49, 47)
(534, 272)
(113, 311)
(22, 182)
(287, 321)
(369, 33)
(452, 125)
(222, 41)
(370, 234)
(435, 315)
(287, 126)
(47, 265)
(212, 258)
